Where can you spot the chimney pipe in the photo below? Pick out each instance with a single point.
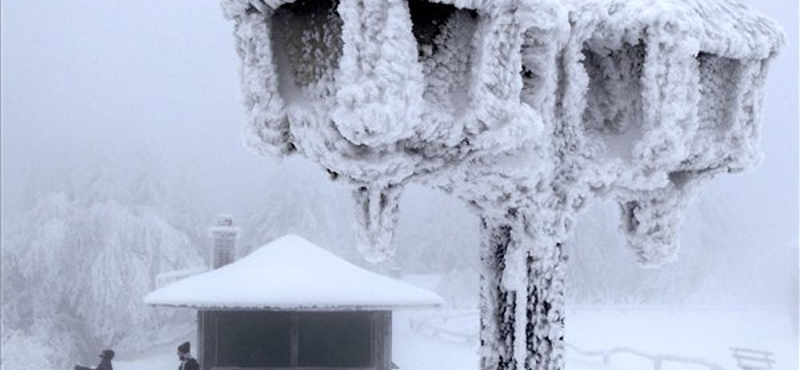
(223, 238)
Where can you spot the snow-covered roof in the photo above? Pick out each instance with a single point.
(292, 273)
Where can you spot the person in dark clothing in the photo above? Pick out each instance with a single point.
(105, 362)
(187, 361)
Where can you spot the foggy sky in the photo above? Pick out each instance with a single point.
(86, 82)
(156, 82)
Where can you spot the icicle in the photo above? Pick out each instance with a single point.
(515, 279)
(650, 227)
(651, 224)
(377, 210)
(651, 219)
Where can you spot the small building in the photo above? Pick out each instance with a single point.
(291, 304)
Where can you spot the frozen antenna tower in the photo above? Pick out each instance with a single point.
(525, 109)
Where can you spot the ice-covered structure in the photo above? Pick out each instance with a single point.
(291, 304)
(525, 109)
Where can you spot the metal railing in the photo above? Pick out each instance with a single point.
(751, 359)
(657, 360)
(433, 326)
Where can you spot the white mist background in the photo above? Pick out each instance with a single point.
(100, 99)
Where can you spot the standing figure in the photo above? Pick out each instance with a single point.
(187, 361)
(105, 362)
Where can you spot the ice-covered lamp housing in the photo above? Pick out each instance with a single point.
(674, 96)
(374, 97)
(526, 109)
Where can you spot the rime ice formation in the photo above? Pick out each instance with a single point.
(525, 109)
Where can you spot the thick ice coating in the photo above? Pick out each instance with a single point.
(526, 109)
(622, 95)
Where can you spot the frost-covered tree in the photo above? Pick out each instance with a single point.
(297, 202)
(525, 109)
(74, 271)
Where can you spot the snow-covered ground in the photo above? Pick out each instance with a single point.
(445, 339)
(701, 333)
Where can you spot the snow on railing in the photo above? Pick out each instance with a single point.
(658, 360)
(434, 326)
(751, 359)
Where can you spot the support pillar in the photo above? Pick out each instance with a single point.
(497, 304)
(545, 311)
(544, 305)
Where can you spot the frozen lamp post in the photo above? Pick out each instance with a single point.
(527, 110)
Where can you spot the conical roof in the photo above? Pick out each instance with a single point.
(292, 273)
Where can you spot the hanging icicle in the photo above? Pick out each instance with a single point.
(377, 211)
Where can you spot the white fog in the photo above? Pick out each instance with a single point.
(126, 117)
